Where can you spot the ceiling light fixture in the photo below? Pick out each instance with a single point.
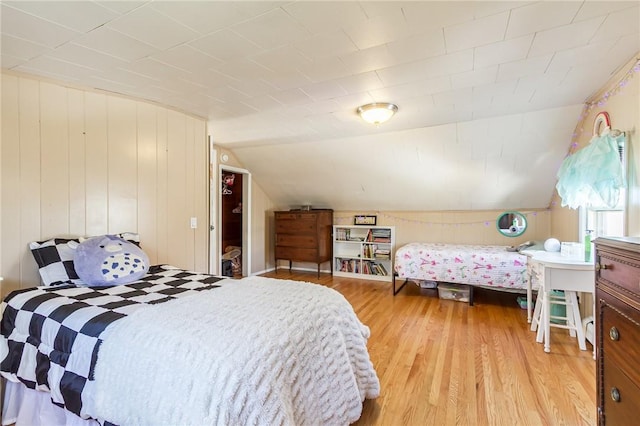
(378, 112)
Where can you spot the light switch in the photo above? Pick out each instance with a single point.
(194, 222)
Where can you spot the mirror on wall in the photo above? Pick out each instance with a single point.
(511, 224)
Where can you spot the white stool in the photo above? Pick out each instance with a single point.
(572, 319)
(552, 271)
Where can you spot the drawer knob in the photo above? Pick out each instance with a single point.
(600, 266)
(615, 394)
(614, 334)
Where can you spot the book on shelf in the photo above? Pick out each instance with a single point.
(379, 235)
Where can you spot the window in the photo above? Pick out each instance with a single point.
(603, 221)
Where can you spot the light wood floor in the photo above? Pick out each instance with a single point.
(442, 362)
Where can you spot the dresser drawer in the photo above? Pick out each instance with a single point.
(303, 225)
(621, 396)
(620, 336)
(296, 216)
(622, 274)
(292, 240)
(297, 254)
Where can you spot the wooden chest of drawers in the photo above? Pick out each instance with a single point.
(304, 236)
(618, 330)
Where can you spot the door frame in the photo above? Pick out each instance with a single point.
(215, 237)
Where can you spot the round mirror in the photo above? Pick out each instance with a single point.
(511, 224)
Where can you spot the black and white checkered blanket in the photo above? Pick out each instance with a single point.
(52, 335)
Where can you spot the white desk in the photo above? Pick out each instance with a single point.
(557, 272)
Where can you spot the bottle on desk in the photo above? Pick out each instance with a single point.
(587, 245)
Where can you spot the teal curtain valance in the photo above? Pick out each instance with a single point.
(594, 175)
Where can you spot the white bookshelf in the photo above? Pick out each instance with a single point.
(364, 252)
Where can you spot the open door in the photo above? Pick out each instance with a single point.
(230, 238)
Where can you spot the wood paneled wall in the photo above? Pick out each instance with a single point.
(82, 163)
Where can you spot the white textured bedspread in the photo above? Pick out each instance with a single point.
(257, 351)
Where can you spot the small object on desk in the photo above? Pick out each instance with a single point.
(552, 244)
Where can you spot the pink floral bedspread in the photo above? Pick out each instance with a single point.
(491, 266)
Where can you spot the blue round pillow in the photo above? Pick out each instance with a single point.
(109, 260)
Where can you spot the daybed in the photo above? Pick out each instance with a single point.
(473, 265)
(180, 347)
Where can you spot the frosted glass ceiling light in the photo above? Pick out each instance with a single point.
(377, 113)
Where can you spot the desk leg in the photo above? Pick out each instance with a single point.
(546, 311)
(529, 301)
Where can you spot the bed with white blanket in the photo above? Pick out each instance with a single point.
(474, 265)
(179, 347)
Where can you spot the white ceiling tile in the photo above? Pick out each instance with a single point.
(409, 90)
(624, 47)
(31, 28)
(262, 103)
(514, 70)
(252, 87)
(186, 57)
(115, 44)
(9, 62)
(479, 32)
(240, 69)
(550, 80)
(565, 37)
(354, 101)
(225, 45)
(282, 58)
(127, 77)
(591, 9)
(75, 53)
(428, 68)
(324, 69)
(317, 18)
(453, 97)
(360, 82)
(583, 55)
(287, 80)
(22, 49)
(292, 97)
(477, 77)
(425, 45)
(226, 94)
(366, 60)
(151, 27)
(209, 78)
(324, 90)
(486, 8)
(619, 24)
(323, 107)
(421, 15)
(378, 30)
(511, 50)
(156, 70)
(121, 6)
(540, 16)
(322, 45)
(273, 29)
(81, 16)
(58, 66)
(203, 16)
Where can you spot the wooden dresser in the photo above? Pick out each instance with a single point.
(304, 236)
(618, 330)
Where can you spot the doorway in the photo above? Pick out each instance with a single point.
(231, 253)
(231, 213)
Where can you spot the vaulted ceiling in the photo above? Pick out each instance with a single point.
(489, 93)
